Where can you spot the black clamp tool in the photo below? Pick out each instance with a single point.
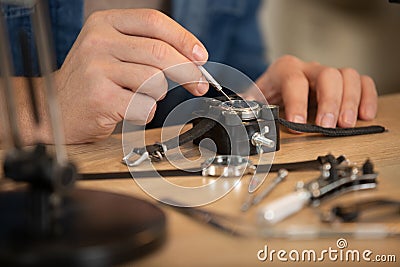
(237, 127)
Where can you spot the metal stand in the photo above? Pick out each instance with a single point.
(48, 222)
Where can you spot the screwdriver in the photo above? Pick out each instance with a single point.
(254, 200)
(213, 82)
(282, 174)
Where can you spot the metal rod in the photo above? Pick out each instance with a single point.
(40, 19)
(6, 70)
(27, 60)
(282, 174)
(254, 200)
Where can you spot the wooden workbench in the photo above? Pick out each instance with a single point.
(190, 243)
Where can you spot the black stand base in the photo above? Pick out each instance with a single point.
(89, 229)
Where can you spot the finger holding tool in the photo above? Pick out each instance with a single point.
(213, 82)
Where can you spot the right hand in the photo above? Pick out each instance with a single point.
(116, 51)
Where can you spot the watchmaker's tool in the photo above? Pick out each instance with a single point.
(282, 174)
(213, 82)
(255, 199)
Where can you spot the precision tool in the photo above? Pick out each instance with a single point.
(213, 82)
(282, 174)
(254, 200)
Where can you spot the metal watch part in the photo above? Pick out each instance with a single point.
(246, 110)
(227, 166)
(259, 140)
(137, 155)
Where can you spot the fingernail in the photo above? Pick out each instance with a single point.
(349, 118)
(199, 53)
(299, 119)
(328, 120)
(369, 114)
(202, 86)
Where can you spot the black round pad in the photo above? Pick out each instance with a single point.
(91, 228)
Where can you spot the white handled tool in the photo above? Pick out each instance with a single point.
(212, 81)
(283, 207)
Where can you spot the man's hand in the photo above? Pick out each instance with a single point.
(115, 53)
(342, 95)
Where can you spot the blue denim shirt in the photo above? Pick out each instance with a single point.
(66, 19)
(228, 28)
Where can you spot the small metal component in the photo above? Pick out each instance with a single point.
(326, 168)
(282, 174)
(354, 173)
(265, 130)
(141, 155)
(227, 166)
(314, 185)
(299, 185)
(139, 158)
(213, 82)
(255, 182)
(316, 193)
(247, 203)
(259, 140)
(254, 200)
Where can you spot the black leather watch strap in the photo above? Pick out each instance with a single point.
(157, 151)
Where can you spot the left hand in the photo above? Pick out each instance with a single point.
(342, 95)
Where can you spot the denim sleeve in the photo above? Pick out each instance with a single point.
(66, 19)
(228, 28)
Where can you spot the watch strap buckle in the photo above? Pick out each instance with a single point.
(154, 152)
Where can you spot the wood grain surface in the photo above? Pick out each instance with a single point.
(190, 243)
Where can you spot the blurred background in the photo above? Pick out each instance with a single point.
(362, 34)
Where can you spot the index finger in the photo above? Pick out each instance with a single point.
(154, 24)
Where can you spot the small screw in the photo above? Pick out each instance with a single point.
(259, 140)
(299, 185)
